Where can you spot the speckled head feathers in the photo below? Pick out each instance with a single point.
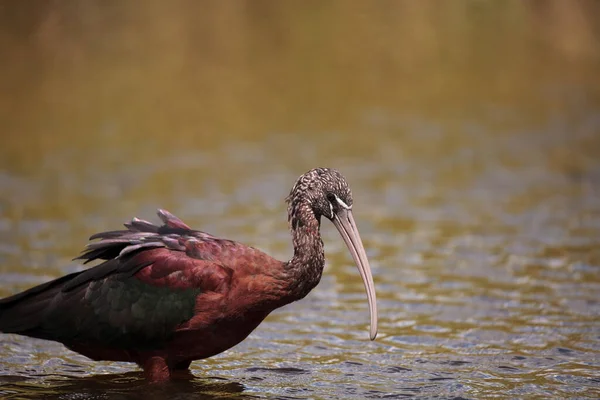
(320, 190)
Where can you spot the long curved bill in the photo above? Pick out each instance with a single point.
(344, 222)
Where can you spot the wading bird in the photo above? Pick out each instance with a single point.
(167, 295)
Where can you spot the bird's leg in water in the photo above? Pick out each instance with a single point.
(181, 371)
(156, 369)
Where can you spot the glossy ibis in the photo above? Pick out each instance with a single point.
(164, 296)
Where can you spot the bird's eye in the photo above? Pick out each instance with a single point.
(331, 197)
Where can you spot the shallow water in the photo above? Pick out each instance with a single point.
(480, 213)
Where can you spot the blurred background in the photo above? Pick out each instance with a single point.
(468, 130)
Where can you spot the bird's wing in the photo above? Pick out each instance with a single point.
(146, 287)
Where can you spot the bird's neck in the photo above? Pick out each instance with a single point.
(305, 268)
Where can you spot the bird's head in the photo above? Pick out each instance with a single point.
(322, 191)
(325, 192)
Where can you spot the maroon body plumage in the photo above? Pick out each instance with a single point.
(167, 295)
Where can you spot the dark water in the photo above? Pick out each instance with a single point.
(476, 178)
